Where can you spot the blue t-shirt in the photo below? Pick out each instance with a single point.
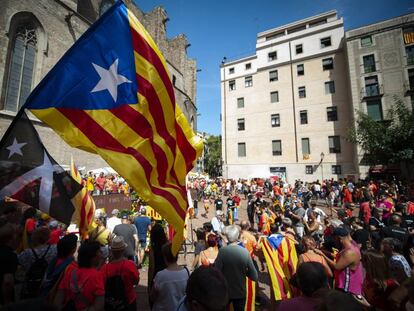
(142, 223)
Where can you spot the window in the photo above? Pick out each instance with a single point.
(305, 146)
(174, 79)
(241, 149)
(299, 49)
(309, 169)
(273, 76)
(411, 78)
(300, 28)
(22, 64)
(275, 36)
(303, 117)
(231, 70)
(300, 69)
(369, 63)
(409, 51)
(329, 87)
(366, 41)
(317, 23)
(332, 113)
(248, 81)
(276, 147)
(272, 56)
(371, 86)
(325, 42)
(334, 144)
(274, 97)
(240, 124)
(327, 63)
(275, 120)
(336, 169)
(240, 102)
(232, 85)
(302, 92)
(248, 66)
(374, 109)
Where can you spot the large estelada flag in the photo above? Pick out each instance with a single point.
(111, 94)
(281, 260)
(30, 175)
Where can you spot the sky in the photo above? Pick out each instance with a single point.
(228, 28)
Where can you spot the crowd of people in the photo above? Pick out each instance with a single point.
(100, 184)
(360, 234)
(330, 245)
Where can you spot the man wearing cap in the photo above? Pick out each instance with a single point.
(348, 271)
(113, 221)
(143, 225)
(129, 233)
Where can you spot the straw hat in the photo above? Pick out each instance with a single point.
(118, 243)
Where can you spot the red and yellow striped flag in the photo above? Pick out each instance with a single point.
(111, 95)
(281, 264)
(84, 205)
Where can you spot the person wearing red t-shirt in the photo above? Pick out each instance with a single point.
(55, 232)
(100, 183)
(120, 265)
(85, 279)
(347, 195)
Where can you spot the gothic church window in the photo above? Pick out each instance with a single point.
(22, 63)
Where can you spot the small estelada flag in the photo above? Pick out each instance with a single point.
(30, 175)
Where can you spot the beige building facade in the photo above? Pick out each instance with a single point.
(285, 109)
(34, 34)
(381, 68)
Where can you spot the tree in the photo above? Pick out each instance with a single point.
(212, 156)
(388, 141)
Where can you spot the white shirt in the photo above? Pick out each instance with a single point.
(112, 222)
(218, 225)
(318, 212)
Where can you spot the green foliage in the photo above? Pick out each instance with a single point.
(212, 156)
(388, 141)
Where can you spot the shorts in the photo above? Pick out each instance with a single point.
(143, 243)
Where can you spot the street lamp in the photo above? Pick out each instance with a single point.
(322, 156)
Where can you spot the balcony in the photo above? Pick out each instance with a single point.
(410, 60)
(370, 68)
(371, 91)
(409, 87)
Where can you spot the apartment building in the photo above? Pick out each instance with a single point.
(286, 109)
(381, 68)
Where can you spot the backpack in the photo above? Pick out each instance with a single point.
(71, 305)
(115, 297)
(35, 274)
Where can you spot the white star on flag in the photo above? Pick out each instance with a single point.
(110, 79)
(15, 148)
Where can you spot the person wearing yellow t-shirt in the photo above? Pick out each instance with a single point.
(90, 183)
(102, 235)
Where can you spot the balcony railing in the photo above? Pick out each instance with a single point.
(374, 90)
(410, 60)
(369, 68)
